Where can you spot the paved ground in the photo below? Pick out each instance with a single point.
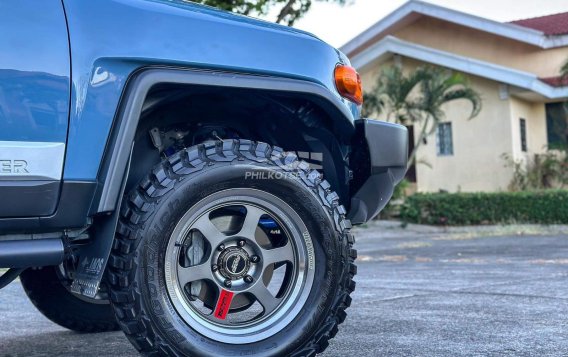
(421, 292)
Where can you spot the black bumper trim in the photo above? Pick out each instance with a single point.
(379, 164)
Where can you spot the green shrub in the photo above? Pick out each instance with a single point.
(392, 208)
(544, 207)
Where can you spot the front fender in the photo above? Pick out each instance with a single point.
(117, 155)
(126, 36)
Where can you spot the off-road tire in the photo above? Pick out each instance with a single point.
(47, 293)
(151, 210)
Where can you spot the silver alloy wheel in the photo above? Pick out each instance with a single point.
(238, 266)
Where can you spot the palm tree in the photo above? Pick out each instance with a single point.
(564, 70)
(562, 129)
(418, 97)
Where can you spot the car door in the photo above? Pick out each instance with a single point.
(34, 105)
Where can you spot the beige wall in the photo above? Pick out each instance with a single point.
(472, 43)
(477, 164)
(535, 116)
(479, 143)
(370, 75)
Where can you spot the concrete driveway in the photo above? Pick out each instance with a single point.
(420, 292)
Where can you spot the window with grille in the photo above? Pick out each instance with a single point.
(444, 143)
(556, 125)
(523, 125)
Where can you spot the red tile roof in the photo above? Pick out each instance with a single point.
(555, 81)
(551, 25)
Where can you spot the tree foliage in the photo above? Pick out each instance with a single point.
(562, 127)
(564, 70)
(290, 10)
(417, 98)
(539, 171)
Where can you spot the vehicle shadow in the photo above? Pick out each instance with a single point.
(67, 343)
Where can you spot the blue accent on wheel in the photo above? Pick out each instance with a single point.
(268, 223)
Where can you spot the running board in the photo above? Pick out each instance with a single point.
(31, 253)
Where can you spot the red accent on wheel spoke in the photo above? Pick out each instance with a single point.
(223, 304)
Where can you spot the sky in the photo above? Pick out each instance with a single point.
(338, 24)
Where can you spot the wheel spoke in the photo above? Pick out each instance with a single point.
(276, 255)
(209, 231)
(194, 273)
(251, 221)
(264, 297)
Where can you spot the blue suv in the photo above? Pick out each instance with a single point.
(162, 171)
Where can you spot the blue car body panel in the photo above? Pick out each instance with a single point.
(112, 39)
(75, 76)
(66, 69)
(34, 71)
(34, 105)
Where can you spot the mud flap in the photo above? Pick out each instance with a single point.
(93, 257)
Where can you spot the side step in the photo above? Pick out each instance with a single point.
(31, 253)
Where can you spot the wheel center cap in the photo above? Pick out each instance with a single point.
(234, 263)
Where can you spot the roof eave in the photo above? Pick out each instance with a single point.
(507, 30)
(510, 76)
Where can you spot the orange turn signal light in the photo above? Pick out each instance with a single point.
(348, 83)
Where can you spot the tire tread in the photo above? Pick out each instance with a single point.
(138, 208)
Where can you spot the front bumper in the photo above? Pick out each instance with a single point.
(379, 158)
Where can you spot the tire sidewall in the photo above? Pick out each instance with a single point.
(188, 192)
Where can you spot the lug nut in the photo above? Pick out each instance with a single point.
(248, 279)
(255, 259)
(215, 267)
(221, 247)
(241, 243)
(228, 283)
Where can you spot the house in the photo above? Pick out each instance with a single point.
(514, 66)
